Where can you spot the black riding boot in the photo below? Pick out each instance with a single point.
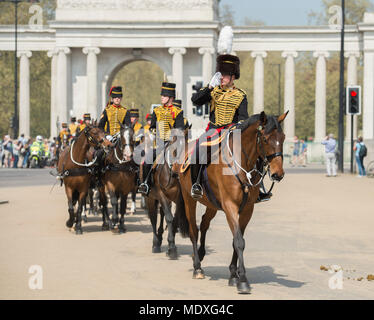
(196, 189)
(144, 187)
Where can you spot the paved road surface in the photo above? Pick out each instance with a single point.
(312, 221)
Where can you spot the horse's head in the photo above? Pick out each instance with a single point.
(270, 138)
(126, 142)
(96, 137)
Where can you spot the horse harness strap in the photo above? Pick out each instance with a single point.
(75, 172)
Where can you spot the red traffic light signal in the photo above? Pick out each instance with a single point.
(353, 93)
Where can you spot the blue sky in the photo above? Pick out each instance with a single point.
(274, 12)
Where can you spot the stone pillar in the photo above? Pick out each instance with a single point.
(24, 92)
(351, 80)
(258, 83)
(368, 97)
(53, 132)
(91, 99)
(320, 107)
(62, 83)
(207, 63)
(289, 93)
(178, 69)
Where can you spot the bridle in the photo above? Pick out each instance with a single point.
(121, 146)
(91, 139)
(261, 150)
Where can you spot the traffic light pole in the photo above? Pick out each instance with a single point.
(351, 143)
(341, 93)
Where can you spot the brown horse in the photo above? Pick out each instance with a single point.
(76, 174)
(235, 193)
(164, 191)
(120, 177)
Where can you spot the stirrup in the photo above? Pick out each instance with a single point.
(197, 191)
(143, 188)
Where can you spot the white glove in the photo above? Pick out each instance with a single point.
(109, 137)
(216, 80)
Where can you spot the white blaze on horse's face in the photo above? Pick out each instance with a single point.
(127, 153)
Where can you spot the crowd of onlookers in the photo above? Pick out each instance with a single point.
(15, 153)
(299, 153)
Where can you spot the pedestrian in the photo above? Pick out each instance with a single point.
(8, 149)
(330, 145)
(296, 151)
(360, 153)
(16, 152)
(25, 163)
(303, 151)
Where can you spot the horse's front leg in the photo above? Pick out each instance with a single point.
(69, 195)
(133, 202)
(81, 202)
(237, 225)
(103, 202)
(152, 213)
(114, 202)
(172, 250)
(121, 227)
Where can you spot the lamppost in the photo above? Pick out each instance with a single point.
(341, 96)
(279, 86)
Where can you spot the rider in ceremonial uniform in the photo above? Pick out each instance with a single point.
(73, 126)
(134, 117)
(148, 125)
(114, 114)
(64, 134)
(228, 105)
(86, 122)
(164, 118)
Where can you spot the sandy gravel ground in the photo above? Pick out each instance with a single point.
(312, 221)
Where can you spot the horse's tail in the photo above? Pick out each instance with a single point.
(180, 219)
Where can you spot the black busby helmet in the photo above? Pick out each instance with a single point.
(228, 64)
(134, 113)
(177, 103)
(87, 116)
(64, 125)
(116, 92)
(73, 119)
(168, 89)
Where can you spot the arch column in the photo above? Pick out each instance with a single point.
(24, 92)
(207, 63)
(289, 93)
(62, 83)
(320, 106)
(258, 83)
(91, 99)
(178, 69)
(351, 80)
(368, 96)
(53, 121)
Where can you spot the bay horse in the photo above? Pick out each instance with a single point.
(120, 175)
(75, 172)
(235, 193)
(164, 191)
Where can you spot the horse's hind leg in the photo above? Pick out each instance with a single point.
(104, 208)
(160, 230)
(133, 202)
(114, 203)
(84, 209)
(172, 249)
(121, 227)
(81, 201)
(204, 226)
(152, 213)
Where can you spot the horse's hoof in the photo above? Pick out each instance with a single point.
(233, 282)
(105, 227)
(156, 249)
(198, 274)
(243, 287)
(78, 231)
(172, 253)
(122, 230)
(85, 220)
(69, 224)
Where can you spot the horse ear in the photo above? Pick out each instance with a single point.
(283, 116)
(263, 118)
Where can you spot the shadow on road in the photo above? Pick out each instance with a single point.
(263, 274)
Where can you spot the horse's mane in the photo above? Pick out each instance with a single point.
(271, 124)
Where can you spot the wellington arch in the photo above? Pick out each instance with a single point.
(88, 44)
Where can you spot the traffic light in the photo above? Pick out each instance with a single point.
(353, 100)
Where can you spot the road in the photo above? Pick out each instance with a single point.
(311, 221)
